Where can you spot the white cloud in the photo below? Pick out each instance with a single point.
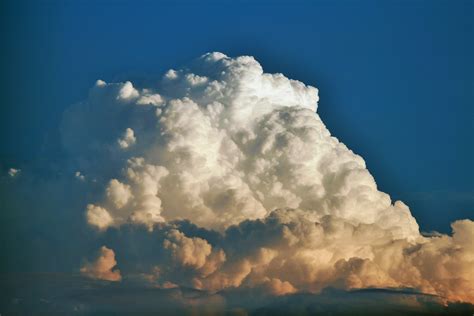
(118, 193)
(98, 217)
(127, 140)
(12, 172)
(235, 143)
(79, 176)
(222, 144)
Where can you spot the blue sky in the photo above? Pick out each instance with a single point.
(396, 79)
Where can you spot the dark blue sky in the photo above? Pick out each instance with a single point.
(396, 78)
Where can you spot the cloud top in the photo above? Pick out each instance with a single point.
(219, 142)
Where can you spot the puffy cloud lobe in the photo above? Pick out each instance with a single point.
(12, 172)
(118, 193)
(195, 252)
(102, 267)
(79, 176)
(98, 216)
(222, 144)
(446, 264)
(127, 140)
(277, 287)
(136, 202)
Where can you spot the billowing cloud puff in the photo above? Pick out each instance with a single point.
(128, 139)
(102, 267)
(221, 142)
(98, 216)
(79, 176)
(228, 148)
(195, 252)
(12, 172)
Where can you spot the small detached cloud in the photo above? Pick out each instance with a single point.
(102, 267)
(79, 176)
(127, 140)
(12, 172)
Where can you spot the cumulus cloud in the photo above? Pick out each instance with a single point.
(102, 267)
(79, 176)
(243, 154)
(127, 140)
(98, 216)
(12, 172)
(226, 142)
(195, 253)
